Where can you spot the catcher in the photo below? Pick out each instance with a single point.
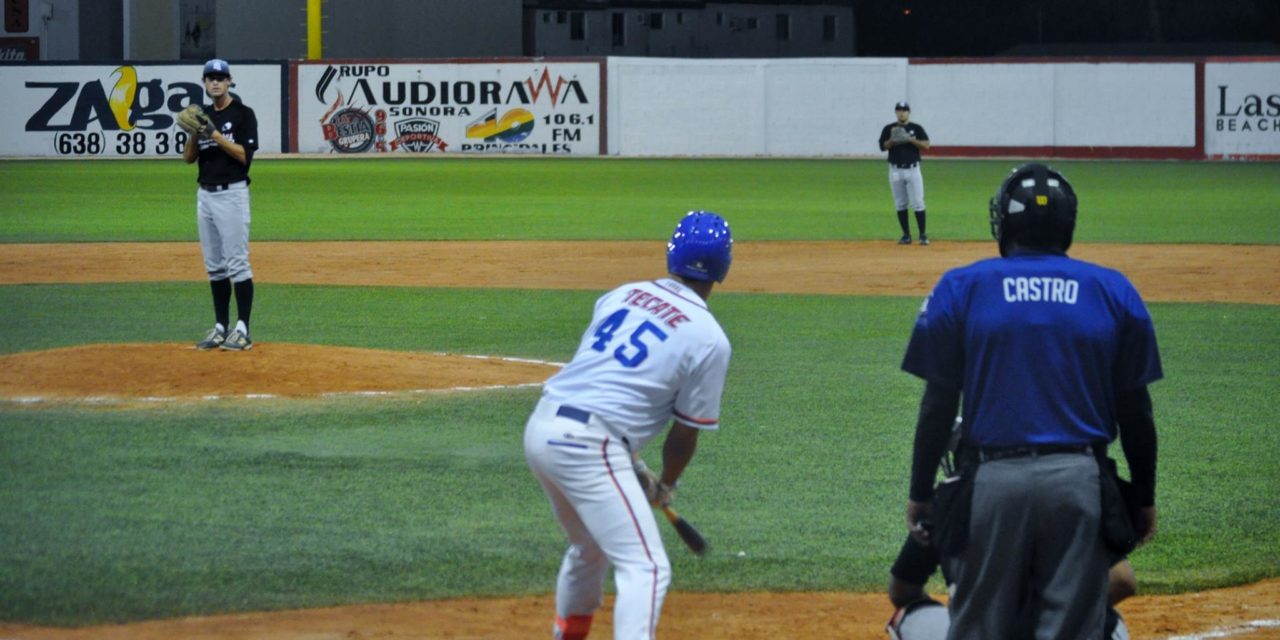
(918, 616)
(223, 138)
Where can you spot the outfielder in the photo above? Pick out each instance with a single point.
(1052, 355)
(903, 140)
(223, 139)
(652, 354)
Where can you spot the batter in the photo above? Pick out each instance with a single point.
(224, 145)
(652, 355)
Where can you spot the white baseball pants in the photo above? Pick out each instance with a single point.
(587, 474)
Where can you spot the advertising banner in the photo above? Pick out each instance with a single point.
(534, 107)
(1242, 109)
(125, 110)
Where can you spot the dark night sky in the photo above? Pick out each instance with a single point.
(1072, 27)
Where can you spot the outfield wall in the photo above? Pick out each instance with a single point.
(1192, 109)
(1101, 108)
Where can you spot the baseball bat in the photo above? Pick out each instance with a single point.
(692, 538)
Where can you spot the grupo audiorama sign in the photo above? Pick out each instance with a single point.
(120, 110)
(535, 107)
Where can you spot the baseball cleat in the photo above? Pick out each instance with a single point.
(237, 341)
(905, 240)
(924, 240)
(213, 340)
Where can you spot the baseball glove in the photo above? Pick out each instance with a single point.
(194, 121)
(899, 135)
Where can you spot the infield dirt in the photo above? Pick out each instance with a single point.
(1162, 273)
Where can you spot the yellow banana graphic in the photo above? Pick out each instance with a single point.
(122, 96)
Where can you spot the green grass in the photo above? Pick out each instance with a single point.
(589, 199)
(123, 514)
(113, 514)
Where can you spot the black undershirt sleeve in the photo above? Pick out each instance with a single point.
(933, 430)
(1138, 439)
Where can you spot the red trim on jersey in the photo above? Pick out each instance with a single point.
(701, 422)
(653, 595)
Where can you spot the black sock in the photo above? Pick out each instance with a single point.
(244, 302)
(902, 220)
(221, 301)
(920, 221)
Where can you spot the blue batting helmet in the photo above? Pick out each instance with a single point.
(701, 247)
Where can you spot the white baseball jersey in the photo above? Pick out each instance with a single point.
(653, 352)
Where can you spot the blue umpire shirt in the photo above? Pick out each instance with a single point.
(1039, 344)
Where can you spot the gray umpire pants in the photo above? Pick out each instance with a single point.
(1035, 552)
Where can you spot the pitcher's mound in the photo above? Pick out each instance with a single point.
(178, 371)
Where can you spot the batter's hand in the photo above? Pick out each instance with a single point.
(918, 520)
(665, 494)
(649, 481)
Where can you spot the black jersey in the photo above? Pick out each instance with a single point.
(238, 124)
(901, 154)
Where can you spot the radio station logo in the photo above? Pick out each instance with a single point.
(349, 130)
(514, 126)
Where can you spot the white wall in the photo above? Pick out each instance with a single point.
(837, 106)
(1064, 105)
(749, 107)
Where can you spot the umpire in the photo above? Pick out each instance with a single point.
(223, 139)
(1052, 357)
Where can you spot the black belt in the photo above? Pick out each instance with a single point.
(218, 187)
(573, 413)
(987, 455)
(905, 166)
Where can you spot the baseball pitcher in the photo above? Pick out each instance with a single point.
(223, 138)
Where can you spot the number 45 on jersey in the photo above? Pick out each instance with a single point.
(633, 351)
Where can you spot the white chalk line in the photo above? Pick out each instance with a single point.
(1228, 632)
(117, 400)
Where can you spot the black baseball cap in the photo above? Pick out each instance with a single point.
(217, 67)
(901, 106)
